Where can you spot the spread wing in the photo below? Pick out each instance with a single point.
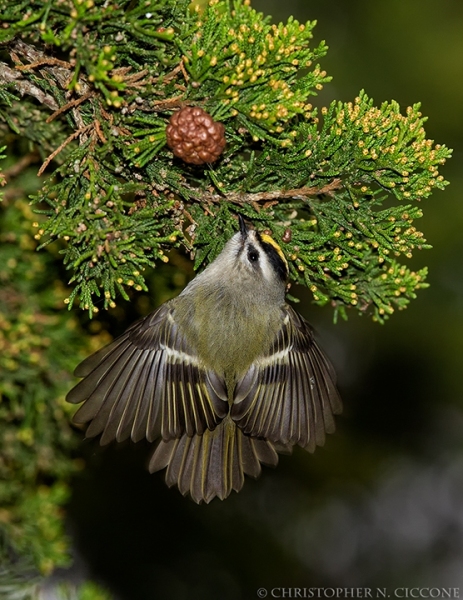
(148, 383)
(289, 394)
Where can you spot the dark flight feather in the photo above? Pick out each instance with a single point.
(289, 394)
(149, 383)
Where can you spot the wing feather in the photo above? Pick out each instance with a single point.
(128, 419)
(101, 401)
(289, 394)
(148, 422)
(98, 371)
(308, 409)
(148, 382)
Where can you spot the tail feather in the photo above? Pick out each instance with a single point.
(214, 463)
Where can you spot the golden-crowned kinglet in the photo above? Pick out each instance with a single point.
(225, 375)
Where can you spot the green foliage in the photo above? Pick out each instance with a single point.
(19, 581)
(87, 88)
(36, 440)
(90, 591)
(121, 202)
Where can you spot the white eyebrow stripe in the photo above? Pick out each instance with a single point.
(267, 269)
(264, 262)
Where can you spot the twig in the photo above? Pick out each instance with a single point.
(185, 74)
(272, 197)
(45, 61)
(60, 70)
(189, 217)
(99, 133)
(8, 75)
(160, 104)
(71, 104)
(134, 80)
(28, 51)
(68, 140)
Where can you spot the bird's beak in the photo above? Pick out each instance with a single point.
(243, 227)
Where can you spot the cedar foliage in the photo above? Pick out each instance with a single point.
(92, 85)
(87, 88)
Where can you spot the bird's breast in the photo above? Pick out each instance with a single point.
(230, 334)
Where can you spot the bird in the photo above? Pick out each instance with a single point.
(223, 377)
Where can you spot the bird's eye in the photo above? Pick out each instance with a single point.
(253, 256)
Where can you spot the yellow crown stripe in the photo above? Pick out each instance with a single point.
(269, 240)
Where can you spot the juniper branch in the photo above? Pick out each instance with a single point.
(317, 179)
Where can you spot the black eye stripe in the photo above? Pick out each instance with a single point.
(276, 260)
(253, 254)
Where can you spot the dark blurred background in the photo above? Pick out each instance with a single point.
(381, 505)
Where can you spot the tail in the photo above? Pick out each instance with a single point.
(214, 463)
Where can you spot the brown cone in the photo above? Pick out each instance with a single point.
(194, 136)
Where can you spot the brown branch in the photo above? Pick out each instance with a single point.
(60, 70)
(274, 196)
(184, 73)
(161, 104)
(71, 104)
(29, 52)
(99, 133)
(45, 61)
(67, 141)
(23, 86)
(189, 217)
(132, 80)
